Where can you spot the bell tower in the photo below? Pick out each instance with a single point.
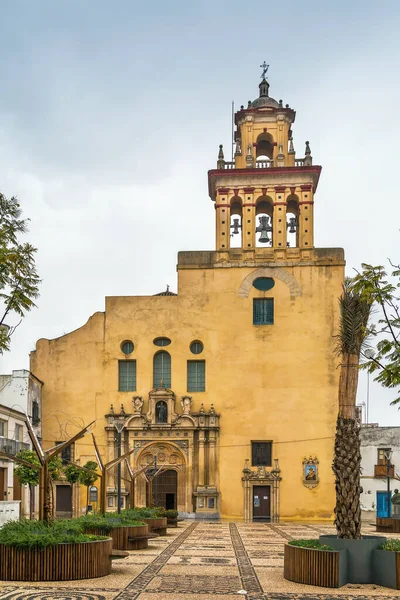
(264, 198)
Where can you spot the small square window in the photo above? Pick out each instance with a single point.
(3, 428)
(261, 454)
(263, 311)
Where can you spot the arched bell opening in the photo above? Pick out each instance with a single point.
(292, 221)
(236, 233)
(264, 147)
(264, 222)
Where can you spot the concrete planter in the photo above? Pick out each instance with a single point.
(386, 568)
(63, 562)
(359, 555)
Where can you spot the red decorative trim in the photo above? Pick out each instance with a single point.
(279, 203)
(252, 204)
(275, 144)
(248, 190)
(224, 205)
(265, 130)
(254, 144)
(307, 202)
(292, 190)
(280, 188)
(223, 190)
(306, 188)
(264, 191)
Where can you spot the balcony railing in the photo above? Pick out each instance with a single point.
(382, 471)
(264, 164)
(260, 164)
(12, 446)
(299, 162)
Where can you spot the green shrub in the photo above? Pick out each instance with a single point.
(313, 544)
(107, 522)
(144, 513)
(391, 545)
(40, 534)
(171, 514)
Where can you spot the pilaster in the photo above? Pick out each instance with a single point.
(306, 217)
(279, 218)
(223, 218)
(248, 219)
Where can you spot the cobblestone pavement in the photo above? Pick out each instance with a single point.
(204, 561)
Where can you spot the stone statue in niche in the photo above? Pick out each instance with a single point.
(186, 404)
(137, 404)
(161, 412)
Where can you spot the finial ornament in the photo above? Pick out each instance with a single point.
(264, 68)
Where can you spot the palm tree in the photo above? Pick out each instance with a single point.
(353, 331)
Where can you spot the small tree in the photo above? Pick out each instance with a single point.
(19, 281)
(88, 477)
(373, 284)
(72, 473)
(27, 476)
(31, 477)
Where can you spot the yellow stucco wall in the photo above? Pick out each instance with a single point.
(272, 382)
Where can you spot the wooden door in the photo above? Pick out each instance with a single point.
(262, 503)
(16, 488)
(3, 484)
(165, 487)
(64, 501)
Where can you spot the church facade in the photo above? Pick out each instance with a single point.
(229, 386)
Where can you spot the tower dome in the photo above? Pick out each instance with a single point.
(264, 99)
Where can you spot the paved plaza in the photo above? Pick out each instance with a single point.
(203, 561)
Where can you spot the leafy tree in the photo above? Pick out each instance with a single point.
(353, 331)
(27, 476)
(19, 281)
(373, 284)
(72, 473)
(88, 477)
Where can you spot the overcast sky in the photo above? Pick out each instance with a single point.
(111, 114)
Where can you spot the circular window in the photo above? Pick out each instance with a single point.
(127, 347)
(263, 284)
(162, 341)
(196, 347)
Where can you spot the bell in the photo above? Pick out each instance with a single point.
(235, 226)
(264, 239)
(292, 224)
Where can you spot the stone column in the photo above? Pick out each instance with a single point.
(306, 217)
(279, 220)
(211, 459)
(201, 459)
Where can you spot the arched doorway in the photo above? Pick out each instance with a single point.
(165, 489)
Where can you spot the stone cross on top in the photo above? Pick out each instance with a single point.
(265, 68)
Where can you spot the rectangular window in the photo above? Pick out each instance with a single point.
(66, 454)
(196, 375)
(127, 375)
(263, 311)
(382, 460)
(261, 454)
(3, 428)
(18, 433)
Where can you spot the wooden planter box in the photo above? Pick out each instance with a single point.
(314, 567)
(63, 562)
(127, 538)
(172, 522)
(387, 525)
(157, 525)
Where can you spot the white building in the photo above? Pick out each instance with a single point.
(376, 443)
(20, 394)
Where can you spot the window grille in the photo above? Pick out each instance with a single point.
(261, 454)
(196, 375)
(127, 375)
(162, 370)
(263, 311)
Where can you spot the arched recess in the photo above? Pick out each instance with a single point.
(264, 221)
(265, 146)
(170, 457)
(292, 221)
(235, 230)
(276, 273)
